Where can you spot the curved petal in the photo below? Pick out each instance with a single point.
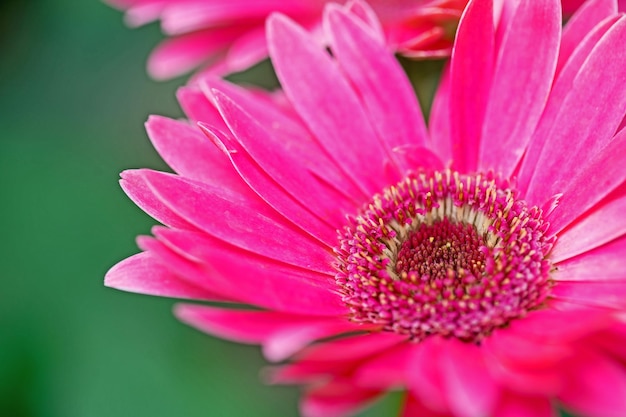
(471, 390)
(142, 273)
(279, 163)
(287, 131)
(336, 399)
(280, 334)
(327, 104)
(198, 108)
(198, 247)
(391, 106)
(596, 386)
(137, 188)
(439, 125)
(515, 405)
(581, 23)
(254, 280)
(471, 70)
(593, 180)
(601, 225)
(592, 294)
(605, 263)
(222, 212)
(413, 408)
(577, 129)
(188, 152)
(517, 98)
(561, 89)
(269, 190)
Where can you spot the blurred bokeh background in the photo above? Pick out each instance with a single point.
(73, 98)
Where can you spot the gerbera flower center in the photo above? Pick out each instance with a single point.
(445, 254)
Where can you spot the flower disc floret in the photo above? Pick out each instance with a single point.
(443, 253)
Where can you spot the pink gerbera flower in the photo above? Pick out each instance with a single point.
(229, 35)
(479, 263)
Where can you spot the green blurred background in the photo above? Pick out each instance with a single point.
(73, 98)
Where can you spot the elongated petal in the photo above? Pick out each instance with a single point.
(595, 178)
(596, 386)
(516, 97)
(336, 399)
(326, 103)
(188, 152)
(605, 263)
(515, 405)
(439, 126)
(136, 187)
(601, 225)
(280, 334)
(292, 250)
(471, 71)
(270, 191)
(392, 106)
(471, 390)
(561, 89)
(413, 407)
(592, 294)
(222, 212)
(142, 273)
(591, 130)
(279, 163)
(581, 23)
(254, 280)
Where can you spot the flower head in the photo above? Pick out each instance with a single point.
(477, 263)
(229, 36)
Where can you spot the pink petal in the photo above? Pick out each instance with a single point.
(561, 89)
(269, 190)
(470, 388)
(439, 124)
(249, 49)
(601, 225)
(515, 405)
(278, 162)
(579, 127)
(364, 12)
(254, 280)
(136, 187)
(355, 348)
(471, 71)
(386, 370)
(593, 294)
(424, 376)
(513, 348)
(198, 108)
(142, 273)
(596, 386)
(517, 97)
(336, 399)
(326, 103)
(391, 106)
(415, 408)
(594, 178)
(287, 131)
(581, 23)
(559, 327)
(198, 247)
(605, 263)
(223, 212)
(176, 56)
(280, 334)
(188, 152)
